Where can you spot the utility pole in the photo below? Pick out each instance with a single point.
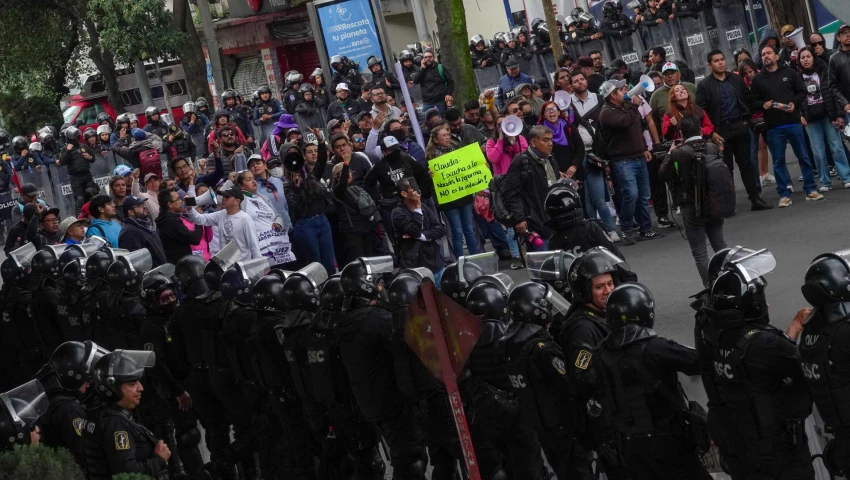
(212, 45)
(144, 84)
(419, 20)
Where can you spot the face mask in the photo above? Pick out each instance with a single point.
(399, 135)
(277, 172)
(395, 155)
(168, 309)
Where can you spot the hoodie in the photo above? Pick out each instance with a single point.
(768, 34)
(784, 86)
(108, 230)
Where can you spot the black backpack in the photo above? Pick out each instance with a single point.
(714, 186)
(497, 197)
(600, 142)
(365, 205)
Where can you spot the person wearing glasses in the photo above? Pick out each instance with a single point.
(818, 44)
(176, 232)
(436, 83)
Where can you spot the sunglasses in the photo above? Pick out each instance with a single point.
(226, 135)
(815, 44)
(358, 140)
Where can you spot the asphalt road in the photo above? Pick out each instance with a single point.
(795, 235)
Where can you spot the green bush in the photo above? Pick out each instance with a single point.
(39, 463)
(130, 476)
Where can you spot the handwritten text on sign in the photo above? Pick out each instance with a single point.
(460, 173)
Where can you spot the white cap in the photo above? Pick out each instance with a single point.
(390, 142)
(342, 86)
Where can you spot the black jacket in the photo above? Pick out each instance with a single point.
(134, 237)
(782, 85)
(708, 96)
(176, 239)
(825, 105)
(434, 86)
(623, 129)
(349, 217)
(581, 237)
(16, 237)
(413, 252)
(524, 189)
(386, 173)
(839, 76)
(338, 111)
(479, 57)
(115, 443)
(74, 160)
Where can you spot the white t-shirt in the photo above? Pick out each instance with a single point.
(238, 227)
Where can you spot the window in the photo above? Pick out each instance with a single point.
(89, 114)
(69, 113)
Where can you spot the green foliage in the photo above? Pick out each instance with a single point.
(38, 463)
(23, 113)
(135, 29)
(130, 476)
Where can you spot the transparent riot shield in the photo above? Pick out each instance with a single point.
(308, 120)
(584, 49)
(102, 168)
(200, 141)
(732, 27)
(663, 35)
(47, 191)
(548, 63)
(629, 48)
(693, 37)
(486, 78)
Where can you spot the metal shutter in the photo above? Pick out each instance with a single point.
(249, 75)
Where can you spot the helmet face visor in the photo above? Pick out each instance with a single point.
(751, 264)
(545, 266)
(470, 267)
(315, 273)
(559, 303)
(130, 363)
(26, 403)
(377, 265)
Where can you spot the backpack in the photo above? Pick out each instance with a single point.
(600, 142)
(714, 196)
(150, 162)
(365, 204)
(265, 151)
(497, 197)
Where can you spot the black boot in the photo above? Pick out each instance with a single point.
(759, 204)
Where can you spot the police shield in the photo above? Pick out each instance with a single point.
(470, 267)
(23, 256)
(41, 180)
(315, 273)
(312, 119)
(732, 30)
(486, 78)
(693, 35)
(25, 404)
(238, 281)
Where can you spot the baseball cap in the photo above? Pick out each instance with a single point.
(255, 158)
(49, 211)
(391, 143)
(513, 62)
(342, 86)
(669, 66)
(842, 27)
(122, 170)
(84, 212)
(585, 61)
(66, 224)
(785, 30)
(132, 202)
(234, 192)
(29, 189)
(610, 86)
(362, 115)
(150, 176)
(332, 124)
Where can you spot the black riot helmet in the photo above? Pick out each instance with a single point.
(405, 55)
(16, 267)
(46, 262)
(363, 277)
(20, 409)
(219, 263)
(551, 267)
(475, 40)
(119, 367)
(332, 297)
(488, 297)
(827, 279)
(227, 95)
(609, 10)
(536, 303)
(337, 62)
(20, 144)
(741, 285)
(405, 286)
(268, 294)
(535, 24)
(72, 135)
(73, 364)
(74, 274)
(264, 89)
(306, 87)
(563, 206)
(372, 61)
(154, 283)
(105, 117)
(150, 112)
(76, 255)
(459, 276)
(4, 138)
(302, 290)
(189, 274)
(125, 273)
(89, 133)
(98, 263)
(630, 303)
(592, 263)
(238, 281)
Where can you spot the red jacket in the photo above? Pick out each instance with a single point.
(240, 138)
(671, 132)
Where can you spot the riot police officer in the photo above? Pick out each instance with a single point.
(291, 96)
(46, 271)
(346, 71)
(22, 344)
(20, 409)
(114, 442)
(364, 333)
(459, 276)
(70, 307)
(642, 397)
(824, 350)
(97, 288)
(157, 126)
(756, 377)
(481, 56)
(119, 315)
(408, 66)
(78, 161)
(238, 114)
(538, 376)
(617, 28)
(552, 268)
(573, 233)
(66, 379)
(495, 409)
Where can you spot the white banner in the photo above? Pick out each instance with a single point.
(273, 243)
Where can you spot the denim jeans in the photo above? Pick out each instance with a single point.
(594, 197)
(754, 154)
(697, 230)
(822, 135)
(633, 189)
(494, 231)
(512, 243)
(441, 107)
(777, 140)
(313, 234)
(462, 224)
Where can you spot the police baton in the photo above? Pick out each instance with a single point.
(443, 334)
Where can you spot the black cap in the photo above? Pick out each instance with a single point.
(48, 211)
(29, 189)
(234, 192)
(511, 63)
(132, 202)
(29, 210)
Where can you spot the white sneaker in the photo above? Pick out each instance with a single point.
(824, 189)
(791, 188)
(614, 237)
(847, 185)
(813, 197)
(678, 210)
(784, 202)
(770, 179)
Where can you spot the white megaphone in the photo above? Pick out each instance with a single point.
(644, 85)
(512, 125)
(208, 198)
(562, 99)
(797, 37)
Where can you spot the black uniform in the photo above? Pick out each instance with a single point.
(755, 371)
(63, 424)
(79, 169)
(115, 443)
(291, 97)
(70, 315)
(479, 57)
(364, 340)
(518, 53)
(117, 320)
(23, 348)
(352, 78)
(381, 78)
(581, 237)
(644, 403)
(43, 312)
(409, 72)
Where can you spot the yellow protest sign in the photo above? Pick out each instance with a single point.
(460, 173)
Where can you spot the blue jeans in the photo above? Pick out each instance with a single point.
(441, 107)
(818, 132)
(512, 243)
(777, 140)
(494, 231)
(313, 234)
(633, 189)
(754, 155)
(594, 197)
(462, 224)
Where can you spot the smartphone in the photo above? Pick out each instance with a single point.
(190, 201)
(677, 143)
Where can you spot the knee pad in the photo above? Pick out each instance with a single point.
(189, 438)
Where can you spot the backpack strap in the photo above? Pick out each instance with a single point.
(102, 232)
(440, 71)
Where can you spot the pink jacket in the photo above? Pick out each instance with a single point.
(500, 154)
(204, 246)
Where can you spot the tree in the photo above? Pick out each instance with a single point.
(190, 53)
(787, 12)
(454, 48)
(39, 463)
(23, 112)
